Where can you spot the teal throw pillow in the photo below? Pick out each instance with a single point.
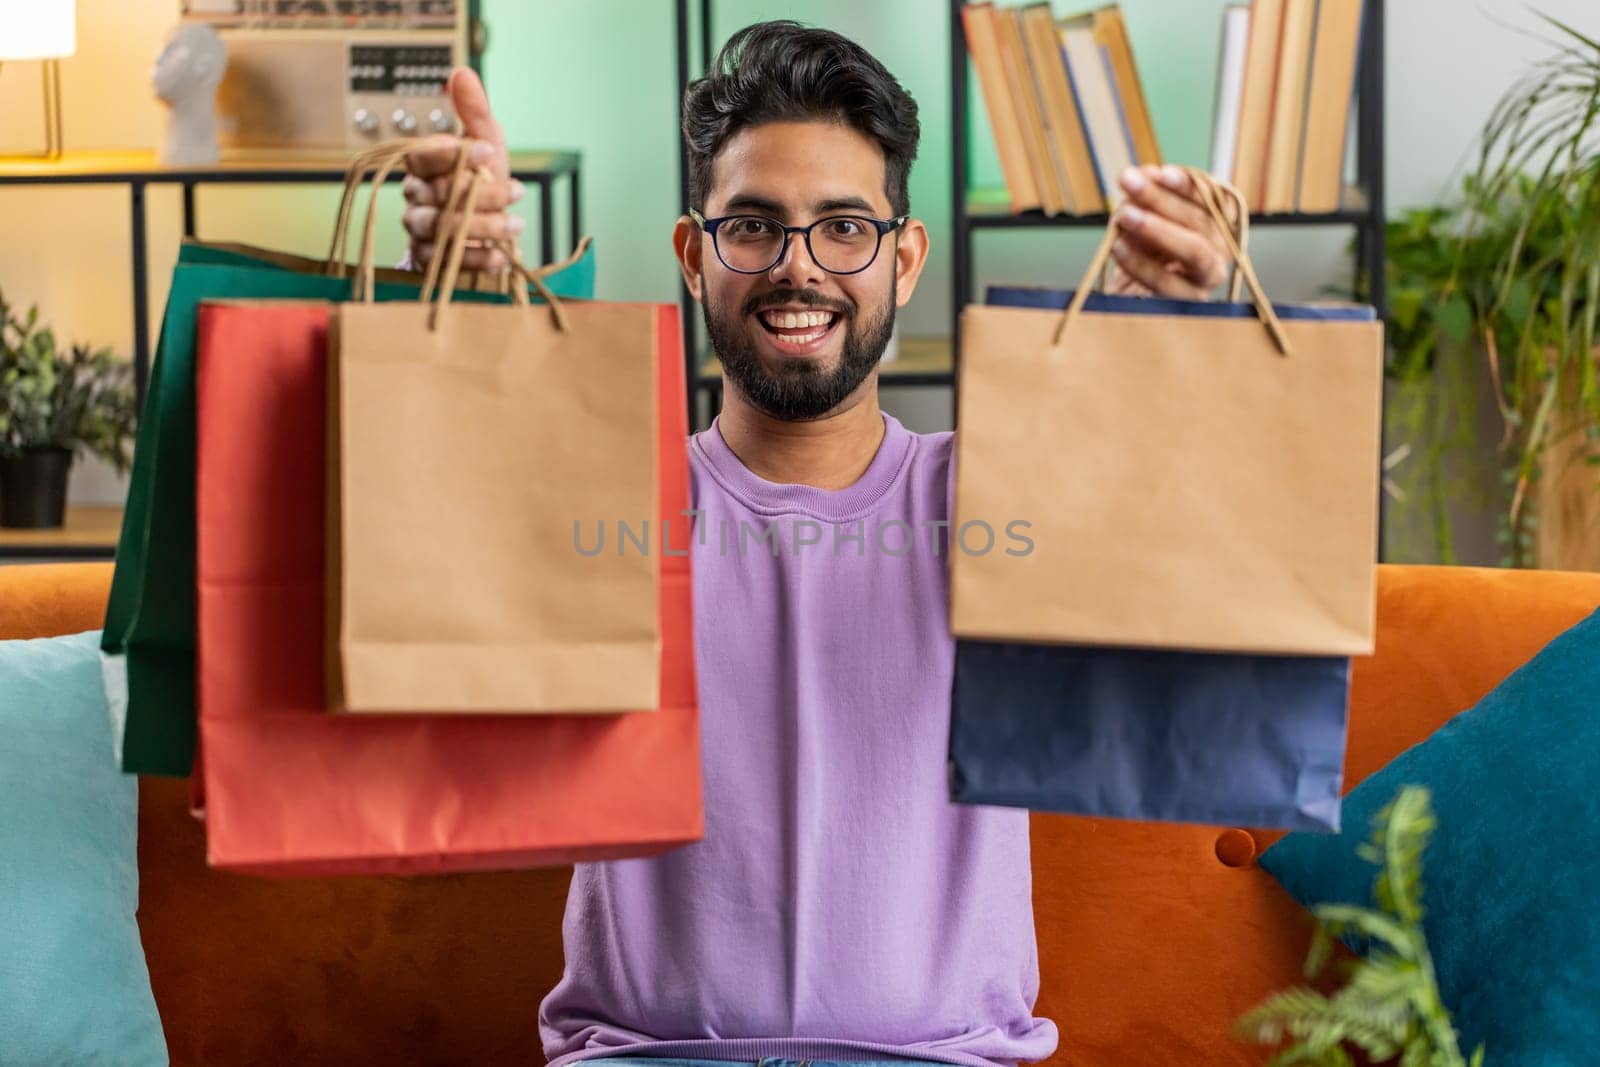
(1511, 877)
(73, 983)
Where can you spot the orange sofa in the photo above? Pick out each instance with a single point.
(1152, 938)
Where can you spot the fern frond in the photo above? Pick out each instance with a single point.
(1389, 1005)
(1321, 950)
(1417, 1054)
(1380, 1027)
(1342, 919)
(1300, 1056)
(1404, 828)
(1387, 977)
(1270, 1022)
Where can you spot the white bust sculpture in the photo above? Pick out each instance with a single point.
(186, 78)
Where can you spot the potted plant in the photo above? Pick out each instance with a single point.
(1505, 285)
(1389, 1007)
(1432, 411)
(1538, 179)
(53, 405)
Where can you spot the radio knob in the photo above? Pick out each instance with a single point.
(366, 121)
(405, 121)
(440, 121)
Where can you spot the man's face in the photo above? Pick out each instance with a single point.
(795, 173)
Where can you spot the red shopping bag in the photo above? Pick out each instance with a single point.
(291, 789)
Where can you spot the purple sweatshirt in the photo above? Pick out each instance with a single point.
(839, 906)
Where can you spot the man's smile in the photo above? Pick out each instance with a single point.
(792, 332)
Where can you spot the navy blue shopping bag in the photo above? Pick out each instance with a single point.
(1227, 739)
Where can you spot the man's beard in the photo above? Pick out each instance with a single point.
(801, 390)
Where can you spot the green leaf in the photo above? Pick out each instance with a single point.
(1321, 950)
(1405, 304)
(1386, 976)
(1416, 1055)
(1454, 317)
(1519, 299)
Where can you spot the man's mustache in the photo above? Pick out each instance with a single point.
(810, 300)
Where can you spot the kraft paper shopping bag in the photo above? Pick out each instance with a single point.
(1191, 482)
(469, 447)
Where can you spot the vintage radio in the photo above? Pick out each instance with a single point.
(317, 78)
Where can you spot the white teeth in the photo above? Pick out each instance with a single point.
(801, 338)
(789, 320)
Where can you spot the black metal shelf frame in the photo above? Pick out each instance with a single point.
(56, 553)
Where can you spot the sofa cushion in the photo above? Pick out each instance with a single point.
(1512, 871)
(74, 987)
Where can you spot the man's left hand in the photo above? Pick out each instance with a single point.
(1169, 244)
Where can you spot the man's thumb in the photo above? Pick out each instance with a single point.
(472, 108)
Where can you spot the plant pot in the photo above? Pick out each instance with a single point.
(1452, 502)
(1567, 494)
(33, 489)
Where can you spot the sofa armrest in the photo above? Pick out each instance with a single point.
(51, 599)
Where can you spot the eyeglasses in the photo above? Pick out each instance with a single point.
(839, 244)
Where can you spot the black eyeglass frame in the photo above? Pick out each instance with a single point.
(883, 226)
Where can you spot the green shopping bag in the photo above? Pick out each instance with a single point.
(150, 618)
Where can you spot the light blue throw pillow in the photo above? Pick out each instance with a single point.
(1511, 876)
(73, 983)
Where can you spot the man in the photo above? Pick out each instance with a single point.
(839, 908)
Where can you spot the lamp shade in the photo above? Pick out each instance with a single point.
(38, 29)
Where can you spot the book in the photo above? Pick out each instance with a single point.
(1285, 141)
(1033, 76)
(1069, 142)
(1014, 57)
(1334, 58)
(1090, 75)
(1112, 33)
(1255, 100)
(1230, 89)
(978, 26)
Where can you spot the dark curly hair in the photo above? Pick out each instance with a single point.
(782, 71)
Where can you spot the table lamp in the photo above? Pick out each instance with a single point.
(47, 30)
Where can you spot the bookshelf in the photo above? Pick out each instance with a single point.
(89, 533)
(972, 213)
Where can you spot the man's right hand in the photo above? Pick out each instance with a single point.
(429, 169)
